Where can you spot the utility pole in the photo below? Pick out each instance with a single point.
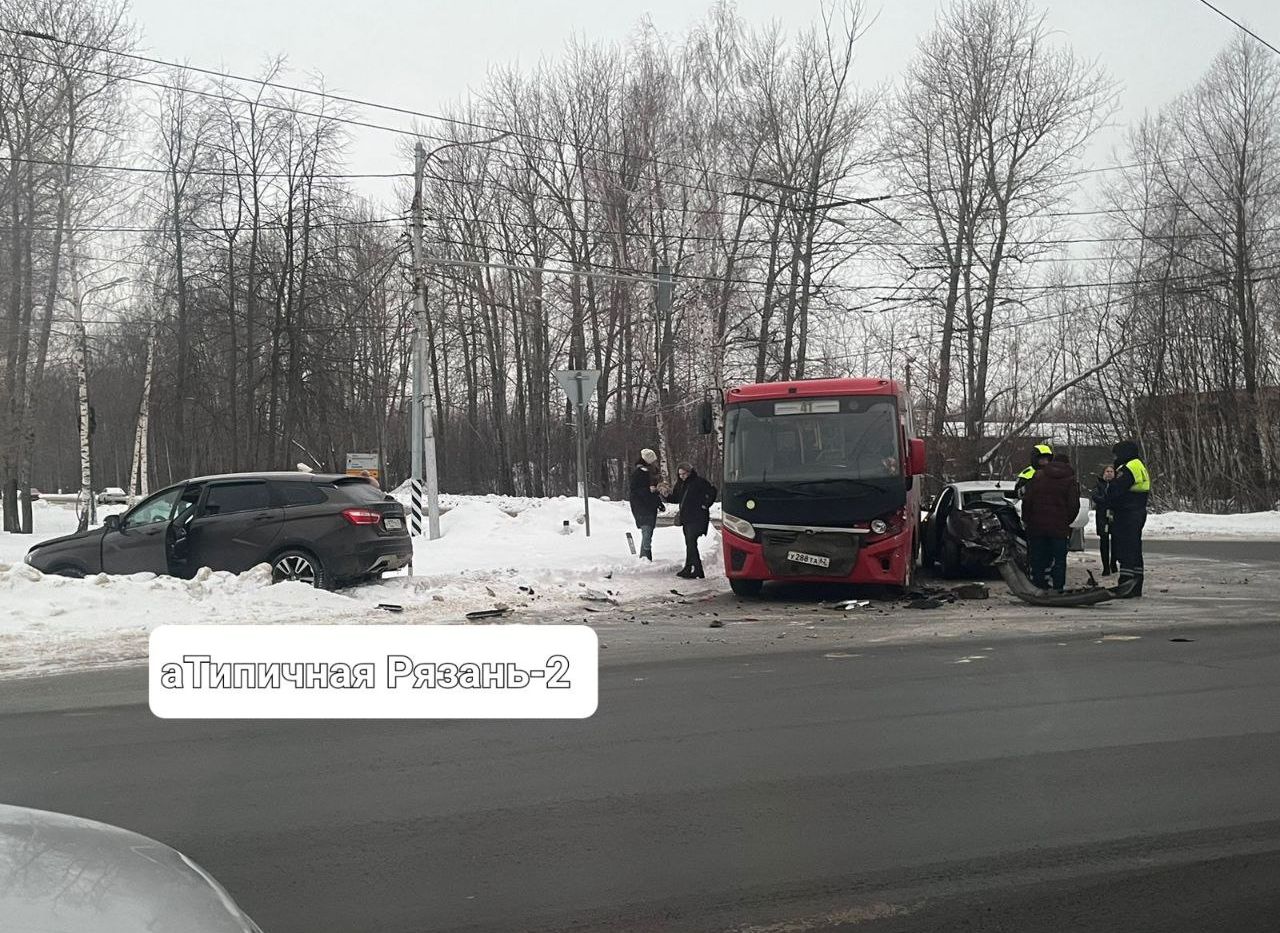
(422, 433)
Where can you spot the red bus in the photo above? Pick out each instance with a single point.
(820, 483)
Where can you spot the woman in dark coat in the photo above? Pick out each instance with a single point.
(645, 501)
(695, 495)
(1103, 518)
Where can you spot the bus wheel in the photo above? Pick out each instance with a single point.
(746, 587)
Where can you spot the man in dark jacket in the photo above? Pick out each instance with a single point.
(1050, 503)
(645, 501)
(695, 496)
(1104, 520)
(1040, 455)
(1127, 497)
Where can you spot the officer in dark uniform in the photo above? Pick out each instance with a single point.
(1040, 455)
(1126, 499)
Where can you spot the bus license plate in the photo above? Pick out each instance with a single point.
(815, 560)
(393, 523)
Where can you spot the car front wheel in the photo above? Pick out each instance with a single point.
(746, 587)
(298, 567)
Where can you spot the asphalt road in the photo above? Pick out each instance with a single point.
(1244, 551)
(1053, 783)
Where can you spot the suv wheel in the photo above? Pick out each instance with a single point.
(746, 587)
(300, 567)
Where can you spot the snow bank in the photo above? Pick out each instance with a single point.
(1261, 525)
(493, 550)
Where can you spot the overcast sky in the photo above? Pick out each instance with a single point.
(424, 54)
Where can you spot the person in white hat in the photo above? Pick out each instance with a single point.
(646, 503)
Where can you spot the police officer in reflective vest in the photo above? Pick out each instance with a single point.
(1040, 455)
(1126, 498)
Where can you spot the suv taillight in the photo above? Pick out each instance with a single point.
(362, 516)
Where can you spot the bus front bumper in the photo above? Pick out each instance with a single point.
(881, 560)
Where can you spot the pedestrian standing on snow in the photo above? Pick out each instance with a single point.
(1050, 503)
(1104, 520)
(1127, 497)
(695, 495)
(646, 503)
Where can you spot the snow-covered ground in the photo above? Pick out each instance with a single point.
(1261, 525)
(493, 551)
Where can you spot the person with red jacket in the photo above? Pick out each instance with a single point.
(1050, 503)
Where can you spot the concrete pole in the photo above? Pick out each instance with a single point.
(419, 312)
(423, 439)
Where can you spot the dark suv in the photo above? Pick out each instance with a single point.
(322, 529)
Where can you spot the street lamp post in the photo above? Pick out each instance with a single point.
(422, 436)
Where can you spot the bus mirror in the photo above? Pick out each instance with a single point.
(915, 456)
(706, 419)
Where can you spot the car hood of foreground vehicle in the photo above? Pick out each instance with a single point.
(64, 874)
(74, 537)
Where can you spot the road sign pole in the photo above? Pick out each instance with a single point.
(578, 384)
(582, 463)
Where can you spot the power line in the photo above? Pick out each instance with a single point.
(355, 101)
(324, 95)
(1241, 26)
(217, 173)
(349, 121)
(445, 261)
(478, 145)
(199, 228)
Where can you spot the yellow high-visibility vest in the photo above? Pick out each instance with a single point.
(1141, 478)
(1027, 473)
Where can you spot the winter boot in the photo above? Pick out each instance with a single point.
(685, 574)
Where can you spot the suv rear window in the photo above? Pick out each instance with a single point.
(300, 494)
(224, 498)
(360, 490)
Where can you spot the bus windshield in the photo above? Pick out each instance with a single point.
(812, 439)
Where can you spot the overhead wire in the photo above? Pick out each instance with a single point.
(1239, 25)
(507, 131)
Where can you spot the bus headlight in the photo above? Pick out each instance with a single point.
(739, 526)
(879, 526)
